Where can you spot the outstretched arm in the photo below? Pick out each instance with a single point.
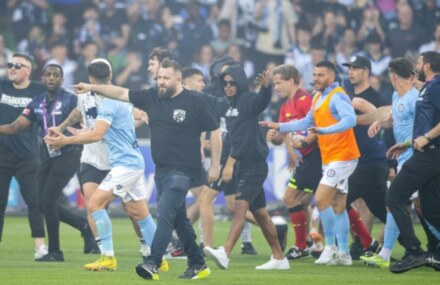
(57, 138)
(380, 114)
(15, 127)
(109, 91)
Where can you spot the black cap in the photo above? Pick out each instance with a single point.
(359, 61)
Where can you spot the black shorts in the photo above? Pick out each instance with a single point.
(227, 188)
(250, 177)
(89, 173)
(200, 180)
(308, 174)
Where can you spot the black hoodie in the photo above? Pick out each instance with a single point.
(247, 140)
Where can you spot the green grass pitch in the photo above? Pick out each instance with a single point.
(17, 265)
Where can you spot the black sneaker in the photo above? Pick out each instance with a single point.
(90, 245)
(374, 248)
(409, 261)
(248, 248)
(356, 249)
(147, 271)
(296, 253)
(52, 257)
(282, 235)
(196, 272)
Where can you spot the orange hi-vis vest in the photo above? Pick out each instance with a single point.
(334, 147)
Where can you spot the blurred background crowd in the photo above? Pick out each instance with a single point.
(259, 33)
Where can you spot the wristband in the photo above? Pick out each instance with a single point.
(407, 144)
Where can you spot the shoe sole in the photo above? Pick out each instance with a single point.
(202, 274)
(100, 269)
(214, 258)
(146, 274)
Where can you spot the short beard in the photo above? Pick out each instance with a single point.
(421, 75)
(167, 93)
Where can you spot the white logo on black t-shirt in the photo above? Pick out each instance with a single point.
(179, 115)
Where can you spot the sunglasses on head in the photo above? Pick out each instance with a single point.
(231, 83)
(15, 65)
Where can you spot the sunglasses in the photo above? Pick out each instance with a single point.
(16, 65)
(231, 83)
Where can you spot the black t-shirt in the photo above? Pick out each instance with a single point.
(372, 149)
(12, 103)
(176, 124)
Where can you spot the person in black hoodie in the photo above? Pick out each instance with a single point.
(249, 151)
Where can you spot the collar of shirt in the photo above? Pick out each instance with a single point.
(328, 89)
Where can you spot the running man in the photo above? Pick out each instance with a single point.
(332, 117)
(114, 124)
(177, 118)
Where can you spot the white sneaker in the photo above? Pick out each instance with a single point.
(145, 250)
(327, 255)
(277, 264)
(341, 259)
(218, 256)
(41, 251)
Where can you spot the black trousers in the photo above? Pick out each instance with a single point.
(25, 171)
(370, 183)
(420, 172)
(53, 176)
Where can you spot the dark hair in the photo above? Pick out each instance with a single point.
(224, 22)
(433, 58)
(316, 43)
(160, 53)
(287, 72)
(189, 72)
(87, 43)
(373, 38)
(25, 57)
(54, 65)
(327, 64)
(169, 63)
(100, 71)
(401, 66)
(303, 26)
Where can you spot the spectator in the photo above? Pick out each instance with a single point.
(194, 33)
(91, 28)
(317, 54)
(59, 55)
(170, 33)
(224, 41)
(433, 45)
(89, 52)
(203, 60)
(5, 57)
(275, 20)
(374, 52)
(236, 53)
(299, 53)
(23, 15)
(133, 76)
(145, 34)
(35, 45)
(115, 30)
(407, 36)
(345, 51)
(332, 31)
(370, 24)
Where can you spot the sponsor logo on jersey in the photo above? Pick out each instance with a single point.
(179, 115)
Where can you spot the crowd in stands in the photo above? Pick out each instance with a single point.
(260, 33)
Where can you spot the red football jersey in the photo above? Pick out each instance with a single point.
(295, 109)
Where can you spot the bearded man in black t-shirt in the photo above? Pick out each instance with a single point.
(20, 153)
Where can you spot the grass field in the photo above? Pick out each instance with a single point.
(17, 265)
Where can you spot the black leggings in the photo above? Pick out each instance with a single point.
(25, 171)
(53, 176)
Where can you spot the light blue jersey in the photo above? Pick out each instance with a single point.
(403, 120)
(120, 137)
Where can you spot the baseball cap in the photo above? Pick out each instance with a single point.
(359, 61)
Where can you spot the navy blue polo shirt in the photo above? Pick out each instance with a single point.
(428, 109)
(51, 113)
